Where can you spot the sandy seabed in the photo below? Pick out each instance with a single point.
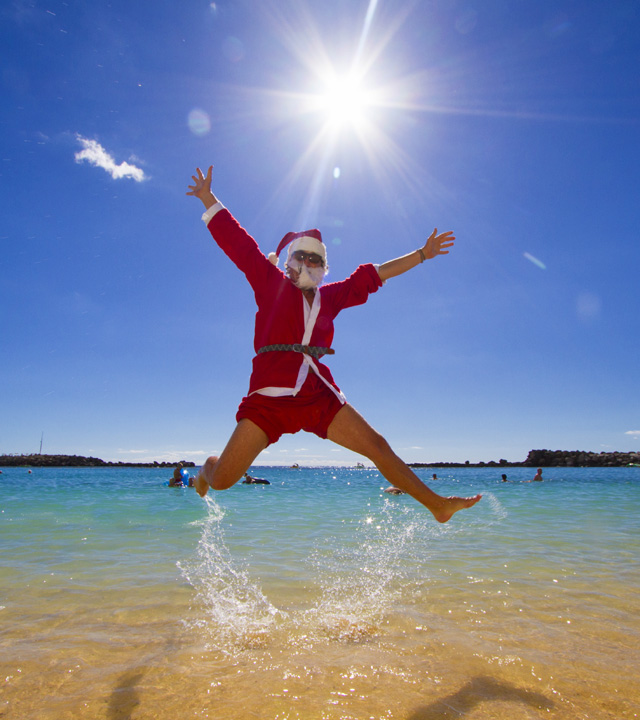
(480, 660)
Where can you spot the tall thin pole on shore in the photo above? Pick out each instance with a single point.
(41, 439)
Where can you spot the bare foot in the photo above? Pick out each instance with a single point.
(202, 482)
(201, 485)
(451, 505)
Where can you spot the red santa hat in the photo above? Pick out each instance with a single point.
(308, 240)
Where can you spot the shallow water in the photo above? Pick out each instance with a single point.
(319, 596)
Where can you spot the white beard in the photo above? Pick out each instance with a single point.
(308, 278)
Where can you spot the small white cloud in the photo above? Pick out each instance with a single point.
(97, 156)
(632, 432)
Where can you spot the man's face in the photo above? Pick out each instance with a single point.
(306, 270)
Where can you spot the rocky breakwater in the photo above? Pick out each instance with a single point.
(580, 458)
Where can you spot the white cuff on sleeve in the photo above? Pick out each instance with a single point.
(377, 267)
(210, 212)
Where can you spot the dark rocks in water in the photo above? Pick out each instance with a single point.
(552, 458)
(580, 458)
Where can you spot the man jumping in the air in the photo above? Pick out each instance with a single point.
(290, 389)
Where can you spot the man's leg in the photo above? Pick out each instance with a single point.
(349, 429)
(245, 444)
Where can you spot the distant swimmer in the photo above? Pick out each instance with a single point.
(504, 478)
(537, 477)
(180, 478)
(290, 389)
(434, 477)
(249, 480)
(395, 491)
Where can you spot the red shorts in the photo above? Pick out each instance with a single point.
(312, 410)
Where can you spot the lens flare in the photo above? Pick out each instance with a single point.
(199, 122)
(535, 261)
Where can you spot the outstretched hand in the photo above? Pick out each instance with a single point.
(438, 244)
(201, 187)
(435, 245)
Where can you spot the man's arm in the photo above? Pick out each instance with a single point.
(435, 245)
(230, 236)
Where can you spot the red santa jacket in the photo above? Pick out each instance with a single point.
(280, 318)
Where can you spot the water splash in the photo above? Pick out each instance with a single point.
(361, 576)
(498, 510)
(362, 582)
(231, 609)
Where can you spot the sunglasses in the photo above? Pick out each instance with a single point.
(314, 259)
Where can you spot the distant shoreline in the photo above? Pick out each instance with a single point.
(535, 458)
(37, 460)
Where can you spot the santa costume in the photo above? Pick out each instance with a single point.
(290, 334)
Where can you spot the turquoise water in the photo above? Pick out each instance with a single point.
(319, 596)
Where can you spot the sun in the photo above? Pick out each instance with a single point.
(344, 100)
(346, 106)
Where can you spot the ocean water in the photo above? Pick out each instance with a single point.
(319, 597)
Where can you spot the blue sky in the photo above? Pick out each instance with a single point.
(127, 334)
